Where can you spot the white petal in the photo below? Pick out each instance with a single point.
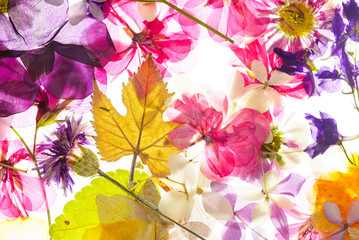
(77, 12)
(257, 101)
(353, 215)
(147, 10)
(236, 88)
(282, 201)
(24, 228)
(181, 170)
(270, 181)
(332, 213)
(274, 96)
(176, 205)
(259, 71)
(96, 11)
(217, 206)
(278, 78)
(269, 138)
(248, 192)
(261, 213)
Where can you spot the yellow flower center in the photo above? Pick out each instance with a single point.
(296, 19)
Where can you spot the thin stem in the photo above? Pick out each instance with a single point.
(12, 168)
(133, 165)
(145, 202)
(32, 154)
(191, 17)
(345, 152)
(246, 224)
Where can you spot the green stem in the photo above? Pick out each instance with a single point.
(145, 202)
(191, 17)
(32, 154)
(340, 144)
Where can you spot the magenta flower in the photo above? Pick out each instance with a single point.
(232, 146)
(135, 38)
(58, 56)
(20, 192)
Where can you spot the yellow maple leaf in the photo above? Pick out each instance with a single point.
(141, 131)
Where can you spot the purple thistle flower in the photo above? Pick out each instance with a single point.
(324, 132)
(60, 151)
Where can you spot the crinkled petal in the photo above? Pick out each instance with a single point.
(17, 90)
(217, 206)
(332, 213)
(183, 136)
(69, 79)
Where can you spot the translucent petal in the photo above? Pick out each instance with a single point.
(353, 233)
(270, 181)
(261, 213)
(248, 192)
(77, 12)
(332, 213)
(217, 206)
(183, 205)
(24, 228)
(259, 71)
(147, 10)
(274, 96)
(282, 201)
(181, 170)
(95, 11)
(257, 101)
(353, 215)
(278, 78)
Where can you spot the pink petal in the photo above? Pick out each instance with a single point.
(147, 10)
(183, 136)
(332, 213)
(217, 206)
(219, 101)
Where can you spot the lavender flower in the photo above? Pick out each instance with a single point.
(324, 132)
(61, 151)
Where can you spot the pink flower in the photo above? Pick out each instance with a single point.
(296, 24)
(20, 192)
(234, 18)
(135, 38)
(232, 146)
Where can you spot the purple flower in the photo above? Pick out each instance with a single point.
(58, 56)
(324, 132)
(59, 152)
(78, 11)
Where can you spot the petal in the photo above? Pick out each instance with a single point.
(353, 215)
(183, 136)
(274, 96)
(236, 86)
(270, 181)
(183, 205)
(219, 101)
(279, 78)
(77, 12)
(279, 220)
(147, 10)
(24, 228)
(257, 101)
(332, 213)
(181, 170)
(282, 201)
(261, 213)
(96, 11)
(248, 192)
(217, 206)
(353, 233)
(259, 71)
(291, 185)
(69, 79)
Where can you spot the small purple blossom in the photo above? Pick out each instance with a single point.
(59, 152)
(324, 132)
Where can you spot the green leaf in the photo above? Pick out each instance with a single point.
(82, 213)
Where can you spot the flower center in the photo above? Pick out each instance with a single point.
(296, 19)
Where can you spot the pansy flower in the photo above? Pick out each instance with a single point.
(58, 56)
(20, 192)
(135, 38)
(296, 24)
(58, 153)
(232, 146)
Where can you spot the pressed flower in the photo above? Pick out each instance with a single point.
(60, 151)
(20, 192)
(58, 56)
(135, 38)
(295, 24)
(232, 146)
(78, 11)
(324, 133)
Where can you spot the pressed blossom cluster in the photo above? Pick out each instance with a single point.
(268, 158)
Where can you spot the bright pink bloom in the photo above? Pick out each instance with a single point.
(232, 146)
(234, 18)
(135, 38)
(294, 25)
(20, 192)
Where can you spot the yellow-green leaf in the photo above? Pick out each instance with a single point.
(82, 213)
(142, 130)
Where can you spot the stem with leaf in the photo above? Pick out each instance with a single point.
(146, 203)
(190, 17)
